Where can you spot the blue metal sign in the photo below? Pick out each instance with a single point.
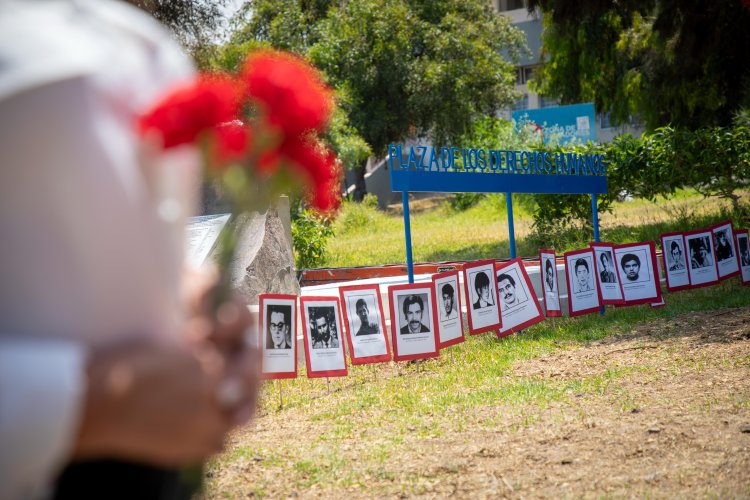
(476, 170)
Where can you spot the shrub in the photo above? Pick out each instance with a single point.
(463, 201)
(310, 234)
(370, 201)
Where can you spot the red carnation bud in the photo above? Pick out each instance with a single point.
(232, 143)
(291, 92)
(269, 162)
(320, 166)
(191, 109)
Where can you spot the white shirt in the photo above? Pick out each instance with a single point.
(91, 233)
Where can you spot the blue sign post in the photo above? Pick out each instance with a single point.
(476, 170)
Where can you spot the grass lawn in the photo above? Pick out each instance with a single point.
(403, 429)
(365, 236)
(638, 402)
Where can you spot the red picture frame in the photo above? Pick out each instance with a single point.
(364, 360)
(394, 322)
(262, 298)
(664, 251)
(686, 235)
(435, 278)
(606, 302)
(493, 292)
(654, 269)
(716, 250)
(550, 313)
(306, 336)
(532, 297)
(738, 232)
(588, 310)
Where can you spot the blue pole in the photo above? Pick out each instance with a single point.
(511, 232)
(595, 216)
(407, 235)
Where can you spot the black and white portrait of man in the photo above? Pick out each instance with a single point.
(482, 290)
(278, 335)
(323, 328)
(582, 276)
(700, 252)
(366, 326)
(676, 259)
(549, 275)
(413, 309)
(447, 304)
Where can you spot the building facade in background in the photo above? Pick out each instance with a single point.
(580, 121)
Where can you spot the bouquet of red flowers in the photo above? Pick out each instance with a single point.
(259, 132)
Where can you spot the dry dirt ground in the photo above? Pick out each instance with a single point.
(670, 418)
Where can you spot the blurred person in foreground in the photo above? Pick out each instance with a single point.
(114, 376)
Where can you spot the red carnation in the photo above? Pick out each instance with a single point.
(290, 91)
(321, 168)
(193, 108)
(232, 142)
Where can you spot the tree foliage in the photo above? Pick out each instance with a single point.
(194, 22)
(417, 67)
(715, 161)
(406, 67)
(284, 24)
(310, 234)
(680, 62)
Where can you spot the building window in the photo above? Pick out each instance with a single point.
(521, 103)
(605, 120)
(547, 102)
(524, 74)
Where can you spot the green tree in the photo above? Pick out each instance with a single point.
(284, 24)
(195, 23)
(406, 67)
(679, 62)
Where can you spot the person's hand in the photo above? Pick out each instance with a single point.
(228, 329)
(155, 404)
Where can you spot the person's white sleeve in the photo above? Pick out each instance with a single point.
(42, 384)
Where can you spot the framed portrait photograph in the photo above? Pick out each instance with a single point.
(675, 261)
(322, 330)
(449, 320)
(583, 292)
(278, 335)
(727, 263)
(413, 326)
(365, 324)
(550, 288)
(610, 288)
(519, 307)
(481, 294)
(743, 254)
(639, 274)
(701, 258)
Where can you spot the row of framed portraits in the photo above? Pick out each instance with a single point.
(706, 256)
(425, 318)
(602, 274)
(624, 275)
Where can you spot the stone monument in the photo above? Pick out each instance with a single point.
(264, 262)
